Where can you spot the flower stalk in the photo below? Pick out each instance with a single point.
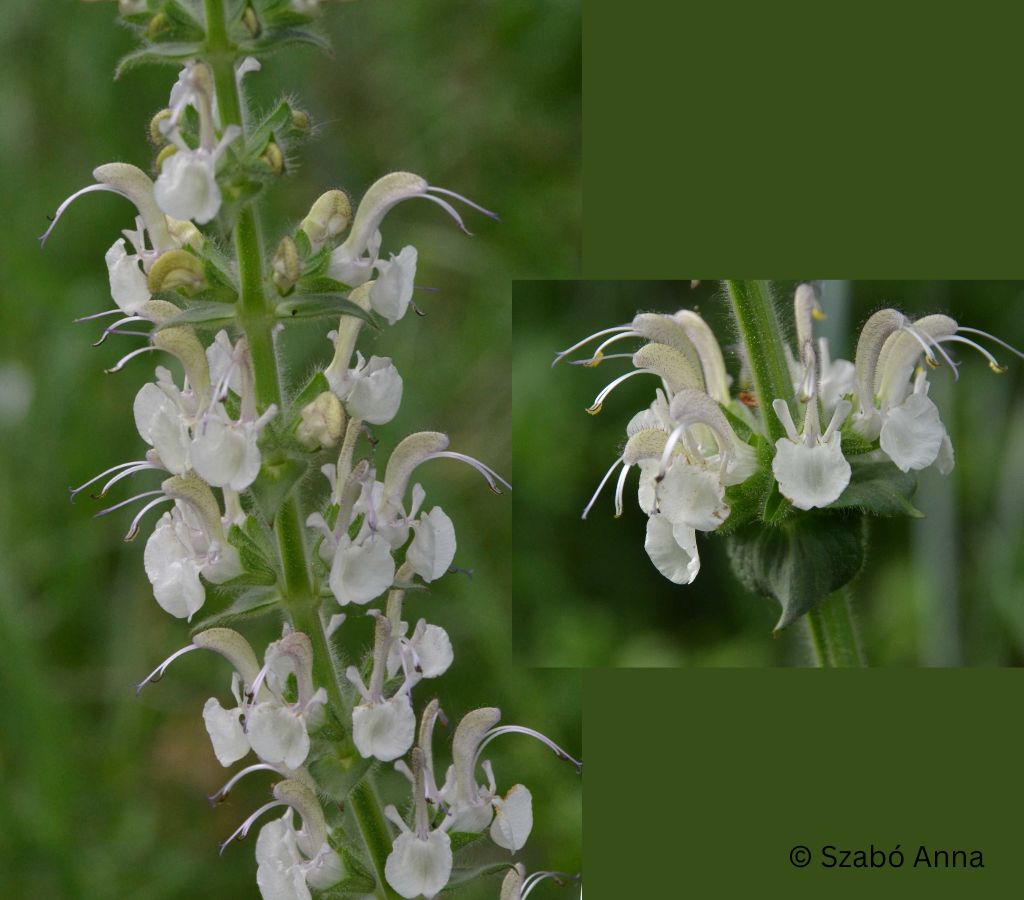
(833, 635)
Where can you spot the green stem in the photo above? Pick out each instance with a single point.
(762, 335)
(832, 633)
(374, 828)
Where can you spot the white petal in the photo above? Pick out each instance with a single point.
(691, 496)
(645, 493)
(513, 818)
(278, 881)
(222, 563)
(374, 391)
(276, 842)
(225, 730)
(362, 572)
(128, 285)
(392, 291)
(187, 186)
(419, 867)
(325, 869)
(912, 433)
(172, 571)
(226, 454)
(278, 735)
(433, 649)
(810, 476)
(384, 730)
(946, 459)
(161, 424)
(432, 550)
(677, 561)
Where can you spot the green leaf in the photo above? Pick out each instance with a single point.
(275, 482)
(461, 839)
(203, 314)
(252, 603)
(336, 778)
(273, 39)
(462, 876)
(800, 562)
(316, 306)
(253, 549)
(170, 53)
(354, 887)
(262, 133)
(880, 488)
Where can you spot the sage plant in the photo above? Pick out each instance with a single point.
(789, 459)
(272, 499)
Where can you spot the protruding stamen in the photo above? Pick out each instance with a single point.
(993, 363)
(222, 794)
(520, 729)
(466, 200)
(243, 829)
(448, 208)
(595, 407)
(76, 491)
(68, 202)
(535, 878)
(141, 467)
(133, 529)
(489, 474)
(930, 343)
(618, 491)
(991, 337)
(100, 315)
(564, 353)
(158, 673)
(125, 359)
(110, 509)
(112, 329)
(595, 361)
(600, 487)
(670, 446)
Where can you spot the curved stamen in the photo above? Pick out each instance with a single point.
(141, 467)
(76, 491)
(100, 315)
(243, 829)
(110, 509)
(121, 363)
(595, 407)
(222, 794)
(930, 343)
(69, 201)
(466, 200)
(993, 363)
(535, 878)
(594, 361)
(618, 491)
(489, 474)
(600, 487)
(991, 337)
(670, 446)
(133, 529)
(112, 329)
(257, 683)
(448, 208)
(521, 729)
(158, 673)
(561, 355)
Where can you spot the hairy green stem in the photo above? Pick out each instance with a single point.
(763, 338)
(374, 829)
(255, 317)
(832, 633)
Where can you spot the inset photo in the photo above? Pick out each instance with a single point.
(770, 473)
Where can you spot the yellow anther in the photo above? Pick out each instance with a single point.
(818, 315)
(595, 409)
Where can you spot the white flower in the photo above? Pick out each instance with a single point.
(430, 649)
(513, 818)
(128, 284)
(392, 291)
(692, 496)
(810, 467)
(371, 391)
(912, 434)
(361, 571)
(187, 186)
(162, 418)
(382, 727)
(225, 727)
(420, 862)
(226, 453)
(432, 550)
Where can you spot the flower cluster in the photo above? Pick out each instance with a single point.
(253, 529)
(700, 448)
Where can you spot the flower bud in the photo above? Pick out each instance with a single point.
(328, 217)
(251, 21)
(177, 270)
(300, 120)
(323, 422)
(274, 158)
(286, 265)
(157, 25)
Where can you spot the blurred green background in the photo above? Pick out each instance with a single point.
(103, 793)
(946, 590)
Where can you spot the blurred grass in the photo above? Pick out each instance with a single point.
(946, 590)
(103, 793)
